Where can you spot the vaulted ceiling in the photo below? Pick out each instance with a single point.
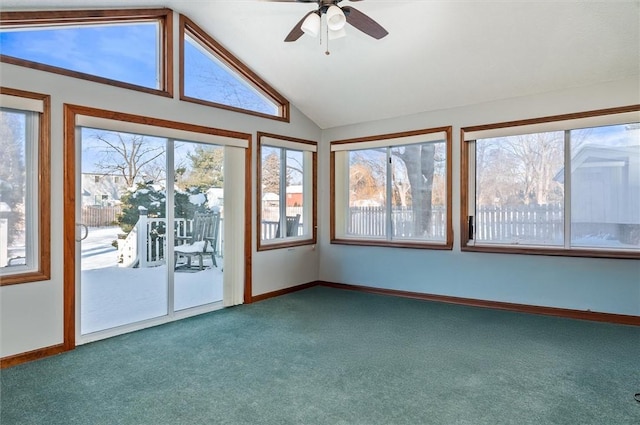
(438, 54)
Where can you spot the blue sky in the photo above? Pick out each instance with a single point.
(205, 78)
(129, 53)
(125, 52)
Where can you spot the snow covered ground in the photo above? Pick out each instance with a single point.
(114, 296)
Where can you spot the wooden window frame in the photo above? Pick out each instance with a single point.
(187, 26)
(448, 243)
(286, 242)
(465, 208)
(44, 193)
(69, 17)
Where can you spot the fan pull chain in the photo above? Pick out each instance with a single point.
(327, 52)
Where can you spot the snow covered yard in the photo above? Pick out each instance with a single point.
(112, 296)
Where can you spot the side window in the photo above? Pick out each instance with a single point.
(286, 191)
(393, 190)
(557, 185)
(24, 187)
(211, 75)
(126, 48)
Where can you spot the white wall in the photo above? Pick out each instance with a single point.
(31, 313)
(602, 285)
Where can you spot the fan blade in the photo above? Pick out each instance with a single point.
(297, 32)
(303, 1)
(364, 23)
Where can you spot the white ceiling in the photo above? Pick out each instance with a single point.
(438, 54)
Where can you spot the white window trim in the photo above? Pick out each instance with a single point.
(561, 125)
(307, 190)
(165, 132)
(32, 108)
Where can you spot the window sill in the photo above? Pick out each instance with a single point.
(83, 76)
(262, 246)
(392, 244)
(562, 252)
(27, 277)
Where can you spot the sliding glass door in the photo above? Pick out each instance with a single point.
(198, 198)
(149, 215)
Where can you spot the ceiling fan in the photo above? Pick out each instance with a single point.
(336, 18)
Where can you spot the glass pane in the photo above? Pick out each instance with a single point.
(520, 189)
(367, 193)
(295, 193)
(605, 187)
(13, 193)
(207, 78)
(271, 160)
(198, 218)
(122, 52)
(123, 206)
(418, 188)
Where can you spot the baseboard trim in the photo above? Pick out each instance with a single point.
(620, 319)
(30, 356)
(284, 291)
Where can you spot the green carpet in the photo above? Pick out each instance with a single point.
(329, 356)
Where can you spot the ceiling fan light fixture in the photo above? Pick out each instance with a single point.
(333, 34)
(311, 25)
(335, 18)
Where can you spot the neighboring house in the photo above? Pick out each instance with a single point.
(102, 189)
(605, 183)
(294, 196)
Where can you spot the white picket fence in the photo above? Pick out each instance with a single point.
(492, 223)
(372, 221)
(531, 223)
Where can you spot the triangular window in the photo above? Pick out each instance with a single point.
(126, 48)
(212, 75)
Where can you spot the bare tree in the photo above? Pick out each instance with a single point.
(539, 156)
(520, 169)
(363, 184)
(12, 172)
(130, 156)
(271, 173)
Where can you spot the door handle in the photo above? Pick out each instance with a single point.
(86, 232)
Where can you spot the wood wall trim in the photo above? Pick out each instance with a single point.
(29, 356)
(552, 118)
(399, 135)
(284, 291)
(69, 240)
(620, 319)
(248, 246)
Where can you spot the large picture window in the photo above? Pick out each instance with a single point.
(561, 185)
(211, 75)
(286, 194)
(393, 190)
(24, 187)
(127, 48)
